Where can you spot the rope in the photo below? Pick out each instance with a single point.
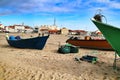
(104, 18)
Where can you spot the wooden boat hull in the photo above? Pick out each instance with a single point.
(31, 43)
(92, 44)
(111, 33)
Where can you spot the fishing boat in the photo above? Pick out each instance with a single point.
(92, 43)
(112, 35)
(31, 43)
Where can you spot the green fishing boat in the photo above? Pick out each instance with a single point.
(112, 35)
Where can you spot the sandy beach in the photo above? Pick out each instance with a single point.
(47, 64)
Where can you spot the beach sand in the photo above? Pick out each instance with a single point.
(47, 64)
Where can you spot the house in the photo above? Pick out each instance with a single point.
(11, 28)
(28, 29)
(1, 27)
(54, 31)
(96, 33)
(51, 29)
(77, 32)
(16, 28)
(64, 31)
(19, 28)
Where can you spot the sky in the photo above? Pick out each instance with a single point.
(72, 14)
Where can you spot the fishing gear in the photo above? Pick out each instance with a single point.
(98, 16)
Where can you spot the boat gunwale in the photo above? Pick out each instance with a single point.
(73, 42)
(87, 40)
(28, 38)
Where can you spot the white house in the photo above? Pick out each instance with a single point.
(19, 28)
(1, 27)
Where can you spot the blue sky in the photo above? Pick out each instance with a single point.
(73, 14)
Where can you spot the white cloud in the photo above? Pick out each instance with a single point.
(41, 5)
(114, 5)
(55, 6)
(110, 4)
(103, 1)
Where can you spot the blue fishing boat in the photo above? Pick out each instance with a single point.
(31, 43)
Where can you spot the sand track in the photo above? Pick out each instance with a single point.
(47, 64)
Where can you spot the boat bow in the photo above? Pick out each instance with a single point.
(111, 33)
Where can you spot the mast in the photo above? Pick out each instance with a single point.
(54, 22)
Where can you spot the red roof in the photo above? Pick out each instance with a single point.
(53, 31)
(11, 27)
(77, 31)
(27, 27)
(43, 29)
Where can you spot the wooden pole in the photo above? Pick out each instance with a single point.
(114, 63)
